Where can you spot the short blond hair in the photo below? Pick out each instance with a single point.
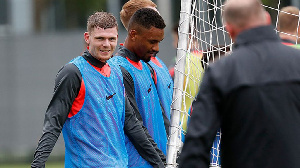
(130, 7)
(288, 19)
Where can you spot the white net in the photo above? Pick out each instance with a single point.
(201, 35)
(202, 40)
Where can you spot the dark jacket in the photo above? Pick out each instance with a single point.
(254, 95)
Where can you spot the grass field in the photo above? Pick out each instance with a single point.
(27, 165)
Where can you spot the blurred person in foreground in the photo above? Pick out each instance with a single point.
(211, 55)
(160, 73)
(253, 94)
(289, 26)
(145, 32)
(90, 107)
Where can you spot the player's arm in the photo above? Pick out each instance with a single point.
(203, 125)
(134, 130)
(167, 123)
(67, 85)
(130, 92)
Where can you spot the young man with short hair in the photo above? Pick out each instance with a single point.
(90, 107)
(160, 73)
(145, 31)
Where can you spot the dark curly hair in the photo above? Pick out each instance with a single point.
(101, 19)
(146, 18)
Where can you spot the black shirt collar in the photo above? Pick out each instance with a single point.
(92, 60)
(258, 34)
(124, 52)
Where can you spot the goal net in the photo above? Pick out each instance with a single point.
(202, 40)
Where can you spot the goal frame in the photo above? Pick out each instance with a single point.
(178, 92)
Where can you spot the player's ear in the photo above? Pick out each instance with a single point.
(268, 18)
(86, 37)
(133, 34)
(230, 29)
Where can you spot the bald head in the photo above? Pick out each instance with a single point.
(240, 15)
(244, 13)
(288, 24)
(288, 19)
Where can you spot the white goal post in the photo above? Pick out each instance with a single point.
(199, 29)
(202, 39)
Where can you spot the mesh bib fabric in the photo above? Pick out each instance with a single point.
(149, 108)
(164, 85)
(94, 137)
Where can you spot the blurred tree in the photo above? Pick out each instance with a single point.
(53, 15)
(3, 12)
(77, 11)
